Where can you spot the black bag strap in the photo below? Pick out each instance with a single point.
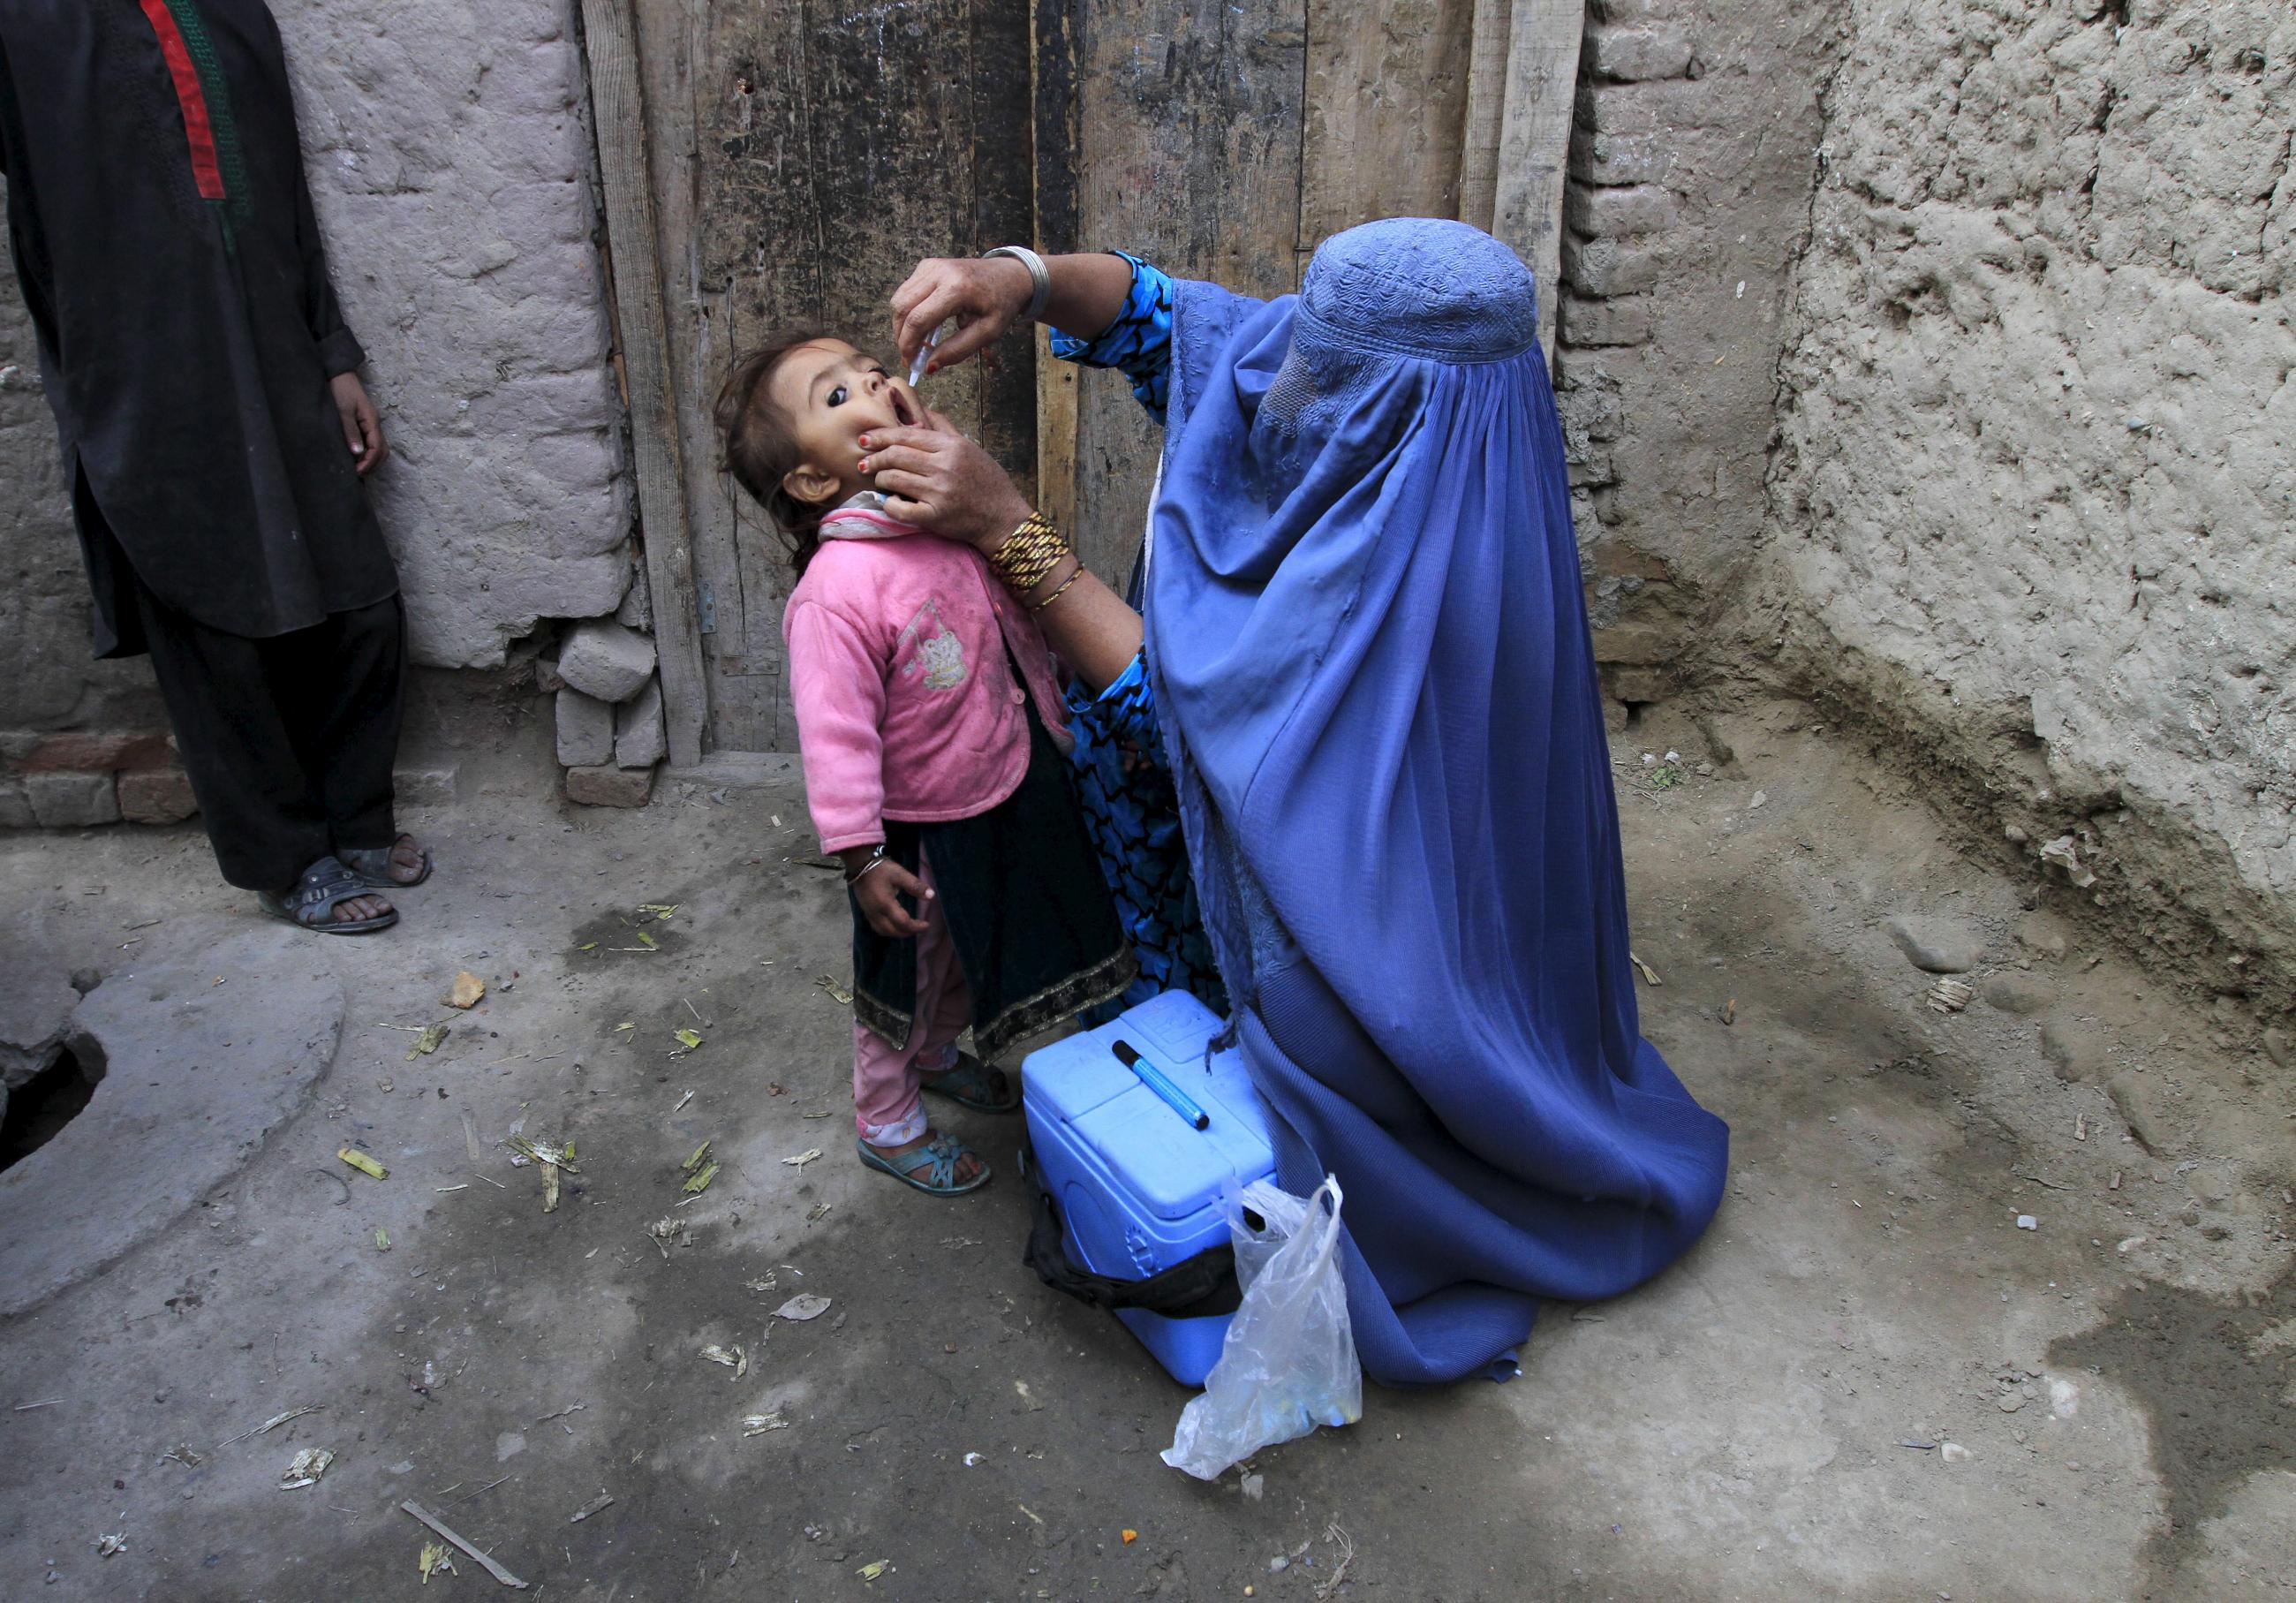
(1200, 1286)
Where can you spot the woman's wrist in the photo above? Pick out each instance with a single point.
(1006, 522)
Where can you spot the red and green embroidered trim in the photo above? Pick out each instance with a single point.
(218, 165)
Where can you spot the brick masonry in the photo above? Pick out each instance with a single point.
(450, 158)
(1692, 160)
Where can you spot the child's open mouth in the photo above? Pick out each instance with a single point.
(904, 413)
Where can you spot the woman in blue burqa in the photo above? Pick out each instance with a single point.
(1345, 763)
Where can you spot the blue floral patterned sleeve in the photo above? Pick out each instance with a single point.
(1138, 343)
(1132, 817)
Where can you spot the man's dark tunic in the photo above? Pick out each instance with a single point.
(164, 239)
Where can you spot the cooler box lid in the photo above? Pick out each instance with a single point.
(1169, 1170)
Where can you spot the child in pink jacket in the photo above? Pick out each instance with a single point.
(932, 731)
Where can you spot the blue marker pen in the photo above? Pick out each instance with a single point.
(1172, 1096)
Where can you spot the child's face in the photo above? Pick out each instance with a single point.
(833, 395)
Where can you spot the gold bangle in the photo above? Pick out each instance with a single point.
(1030, 554)
(1039, 606)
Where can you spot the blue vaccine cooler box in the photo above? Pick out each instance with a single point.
(1138, 1188)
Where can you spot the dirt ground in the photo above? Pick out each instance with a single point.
(1869, 1382)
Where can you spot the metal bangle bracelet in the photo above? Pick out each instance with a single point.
(876, 859)
(1039, 275)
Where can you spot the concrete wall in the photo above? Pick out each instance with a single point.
(452, 168)
(2035, 501)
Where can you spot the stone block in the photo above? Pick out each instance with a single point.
(585, 729)
(1626, 321)
(1621, 158)
(639, 738)
(1633, 209)
(1632, 54)
(1591, 468)
(609, 786)
(606, 660)
(157, 796)
(15, 806)
(1604, 268)
(636, 610)
(1583, 370)
(72, 801)
(547, 680)
(1595, 415)
(1670, 106)
(1635, 645)
(89, 751)
(1632, 11)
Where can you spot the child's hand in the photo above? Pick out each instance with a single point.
(880, 891)
(983, 296)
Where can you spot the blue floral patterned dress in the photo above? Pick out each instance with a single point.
(1131, 813)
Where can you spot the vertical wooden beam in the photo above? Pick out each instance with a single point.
(1534, 142)
(1053, 93)
(1384, 111)
(618, 111)
(1489, 36)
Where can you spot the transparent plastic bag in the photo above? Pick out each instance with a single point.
(1289, 1362)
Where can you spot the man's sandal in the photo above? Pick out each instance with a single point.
(975, 1085)
(326, 885)
(939, 1157)
(372, 864)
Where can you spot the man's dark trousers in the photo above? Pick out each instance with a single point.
(287, 742)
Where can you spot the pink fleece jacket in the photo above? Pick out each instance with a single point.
(907, 704)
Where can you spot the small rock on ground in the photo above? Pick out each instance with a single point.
(2137, 1098)
(2024, 995)
(36, 1009)
(1937, 945)
(2077, 1054)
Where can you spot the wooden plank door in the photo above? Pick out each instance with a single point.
(1224, 142)
(797, 159)
(805, 157)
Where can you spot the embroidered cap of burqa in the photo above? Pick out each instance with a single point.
(170, 257)
(1371, 649)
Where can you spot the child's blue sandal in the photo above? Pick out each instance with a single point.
(938, 1157)
(973, 1084)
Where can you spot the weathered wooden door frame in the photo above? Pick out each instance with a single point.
(634, 254)
(1523, 76)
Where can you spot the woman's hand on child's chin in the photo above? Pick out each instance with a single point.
(983, 296)
(880, 891)
(938, 479)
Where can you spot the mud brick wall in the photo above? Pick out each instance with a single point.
(2034, 499)
(1693, 150)
(454, 173)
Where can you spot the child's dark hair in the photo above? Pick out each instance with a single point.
(760, 446)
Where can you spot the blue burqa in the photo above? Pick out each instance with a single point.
(1370, 648)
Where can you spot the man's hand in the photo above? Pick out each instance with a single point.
(362, 427)
(984, 297)
(880, 891)
(935, 477)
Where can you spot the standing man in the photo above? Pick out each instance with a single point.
(215, 430)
